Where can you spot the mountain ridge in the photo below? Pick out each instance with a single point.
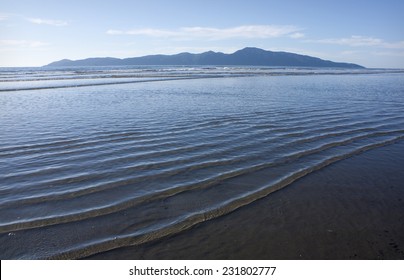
(248, 56)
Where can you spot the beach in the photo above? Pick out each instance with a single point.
(352, 209)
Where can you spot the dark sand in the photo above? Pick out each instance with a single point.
(353, 209)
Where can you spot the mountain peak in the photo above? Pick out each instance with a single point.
(251, 49)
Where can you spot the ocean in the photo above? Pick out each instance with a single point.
(98, 158)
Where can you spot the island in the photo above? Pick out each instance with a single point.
(246, 57)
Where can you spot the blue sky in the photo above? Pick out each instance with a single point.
(34, 33)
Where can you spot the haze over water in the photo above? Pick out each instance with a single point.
(93, 159)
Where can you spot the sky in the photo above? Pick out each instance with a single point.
(35, 33)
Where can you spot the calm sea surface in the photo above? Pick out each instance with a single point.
(93, 159)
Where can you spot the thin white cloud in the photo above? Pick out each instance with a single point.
(297, 35)
(48, 21)
(146, 32)
(22, 43)
(361, 41)
(209, 33)
(397, 45)
(353, 41)
(3, 17)
(392, 54)
(245, 31)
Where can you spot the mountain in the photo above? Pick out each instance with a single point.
(244, 57)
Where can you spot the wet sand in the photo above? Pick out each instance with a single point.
(353, 209)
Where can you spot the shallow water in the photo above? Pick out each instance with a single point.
(95, 159)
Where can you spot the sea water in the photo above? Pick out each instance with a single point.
(93, 159)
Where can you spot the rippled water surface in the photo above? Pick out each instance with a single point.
(92, 160)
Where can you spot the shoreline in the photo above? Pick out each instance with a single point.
(352, 209)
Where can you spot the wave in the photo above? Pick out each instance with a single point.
(91, 84)
(46, 79)
(208, 183)
(192, 219)
(224, 147)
